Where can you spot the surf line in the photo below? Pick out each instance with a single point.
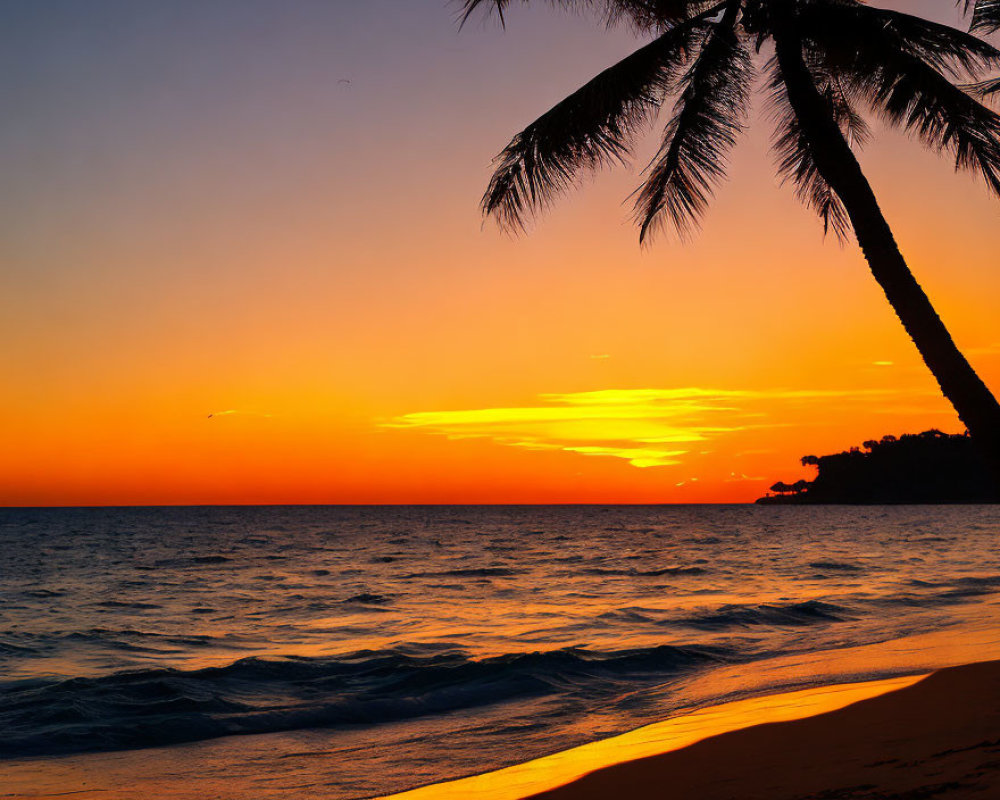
(524, 780)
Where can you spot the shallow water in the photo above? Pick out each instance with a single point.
(412, 645)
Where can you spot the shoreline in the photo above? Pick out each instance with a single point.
(928, 735)
(912, 737)
(561, 769)
(938, 737)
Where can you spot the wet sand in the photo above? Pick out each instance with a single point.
(939, 738)
(909, 738)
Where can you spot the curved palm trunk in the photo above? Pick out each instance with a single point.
(975, 404)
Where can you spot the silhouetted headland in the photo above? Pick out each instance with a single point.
(928, 467)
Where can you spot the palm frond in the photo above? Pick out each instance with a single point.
(641, 14)
(985, 15)
(871, 30)
(593, 127)
(984, 88)
(910, 87)
(944, 116)
(796, 162)
(708, 117)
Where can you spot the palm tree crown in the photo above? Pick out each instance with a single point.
(907, 69)
(826, 62)
(986, 19)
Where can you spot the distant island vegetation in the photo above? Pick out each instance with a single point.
(922, 468)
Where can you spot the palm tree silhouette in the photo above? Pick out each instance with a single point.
(985, 14)
(985, 18)
(830, 58)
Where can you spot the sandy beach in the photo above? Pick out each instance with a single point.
(912, 737)
(938, 738)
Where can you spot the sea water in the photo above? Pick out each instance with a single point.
(410, 645)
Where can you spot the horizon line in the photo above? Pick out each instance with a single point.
(358, 505)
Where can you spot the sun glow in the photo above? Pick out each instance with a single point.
(257, 242)
(624, 423)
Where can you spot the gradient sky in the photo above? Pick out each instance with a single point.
(267, 211)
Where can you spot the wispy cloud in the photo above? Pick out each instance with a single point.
(232, 412)
(742, 477)
(646, 427)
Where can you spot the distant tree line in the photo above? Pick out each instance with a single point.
(928, 467)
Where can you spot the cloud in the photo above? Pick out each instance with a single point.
(231, 412)
(636, 456)
(646, 427)
(742, 477)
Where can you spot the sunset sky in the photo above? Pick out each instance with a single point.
(243, 262)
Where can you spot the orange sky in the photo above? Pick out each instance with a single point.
(205, 217)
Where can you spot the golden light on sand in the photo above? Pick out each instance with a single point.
(524, 780)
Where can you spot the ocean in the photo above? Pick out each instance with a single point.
(352, 652)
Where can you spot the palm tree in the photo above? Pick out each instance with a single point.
(985, 14)
(829, 58)
(985, 18)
